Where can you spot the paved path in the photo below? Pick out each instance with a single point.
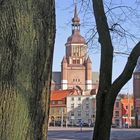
(125, 134)
(59, 133)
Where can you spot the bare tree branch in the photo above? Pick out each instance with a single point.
(126, 75)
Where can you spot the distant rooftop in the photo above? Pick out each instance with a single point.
(95, 77)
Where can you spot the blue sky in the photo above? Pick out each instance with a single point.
(64, 14)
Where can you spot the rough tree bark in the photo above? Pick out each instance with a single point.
(27, 33)
(108, 90)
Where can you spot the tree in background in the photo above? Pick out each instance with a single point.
(27, 33)
(108, 90)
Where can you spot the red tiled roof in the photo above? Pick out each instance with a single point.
(125, 101)
(61, 94)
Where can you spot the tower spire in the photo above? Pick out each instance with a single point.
(75, 10)
(75, 19)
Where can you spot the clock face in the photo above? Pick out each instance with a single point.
(137, 76)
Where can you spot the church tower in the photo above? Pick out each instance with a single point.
(76, 67)
(136, 91)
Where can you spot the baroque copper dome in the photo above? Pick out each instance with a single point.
(76, 38)
(76, 19)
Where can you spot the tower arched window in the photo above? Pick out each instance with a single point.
(78, 61)
(74, 61)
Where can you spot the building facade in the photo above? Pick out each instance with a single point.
(136, 91)
(117, 113)
(58, 106)
(128, 112)
(81, 109)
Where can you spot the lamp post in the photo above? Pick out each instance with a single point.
(62, 116)
(136, 118)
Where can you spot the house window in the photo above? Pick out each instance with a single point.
(72, 113)
(79, 105)
(72, 106)
(87, 113)
(59, 102)
(117, 122)
(79, 113)
(117, 104)
(87, 106)
(116, 113)
(79, 98)
(72, 98)
(79, 120)
(70, 120)
(53, 102)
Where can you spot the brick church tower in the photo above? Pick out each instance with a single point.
(136, 91)
(76, 66)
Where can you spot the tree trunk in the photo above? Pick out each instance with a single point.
(104, 107)
(104, 115)
(27, 33)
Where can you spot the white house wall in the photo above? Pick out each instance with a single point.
(86, 107)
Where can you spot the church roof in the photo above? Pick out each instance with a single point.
(64, 60)
(56, 77)
(89, 60)
(95, 77)
(138, 65)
